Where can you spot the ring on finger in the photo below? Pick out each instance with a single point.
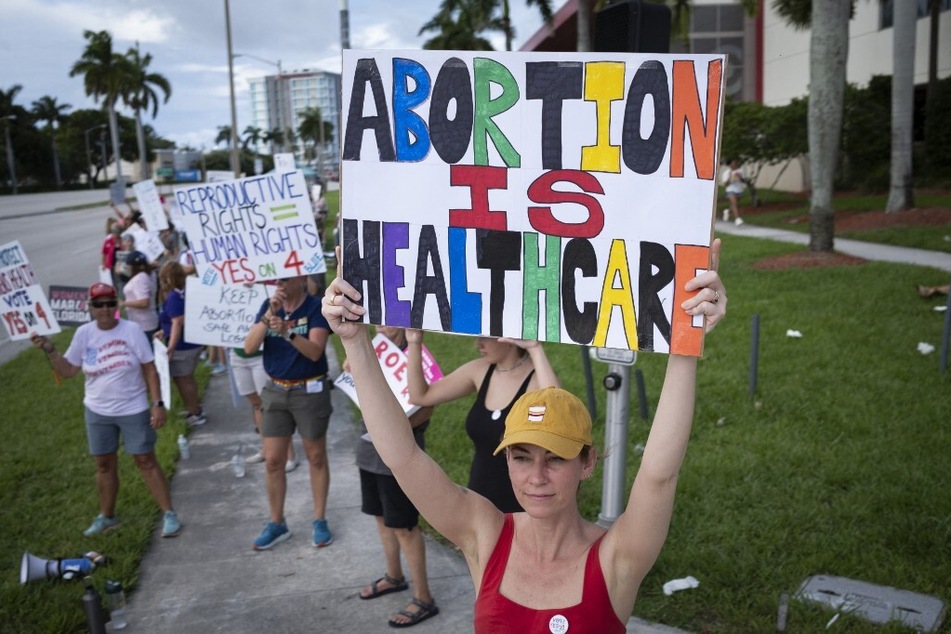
(716, 296)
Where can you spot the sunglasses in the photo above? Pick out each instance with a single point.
(109, 303)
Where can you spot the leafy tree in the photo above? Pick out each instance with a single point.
(252, 136)
(459, 25)
(46, 109)
(141, 93)
(313, 127)
(105, 76)
(224, 136)
(8, 111)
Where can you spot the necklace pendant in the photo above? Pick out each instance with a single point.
(497, 414)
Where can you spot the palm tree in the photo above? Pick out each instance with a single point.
(46, 109)
(828, 54)
(459, 24)
(544, 7)
(252, 136)
(141, 95)
(224, 136)
(901, 194)
(105, 75)
(7, 111)
(275, 137)
(312, 126)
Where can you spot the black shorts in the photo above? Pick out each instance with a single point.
(382, 496)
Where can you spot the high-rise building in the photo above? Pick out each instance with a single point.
(279, 101)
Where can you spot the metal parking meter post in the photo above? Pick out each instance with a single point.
(618, 384)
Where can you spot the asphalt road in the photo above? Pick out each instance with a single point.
(63, 246)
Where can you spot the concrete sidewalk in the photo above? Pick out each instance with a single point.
(209, 579)
(868, 250)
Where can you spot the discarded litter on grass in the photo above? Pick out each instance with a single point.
(794, 333)
(674, 585)
(925, 348)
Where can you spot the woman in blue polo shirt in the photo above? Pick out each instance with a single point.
(296, 396)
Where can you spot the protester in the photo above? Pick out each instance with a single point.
(139, 302)
(296, 396)
(547, 566)
(182, 356)
(735, 182)
(504, 371)
(123, 271)
(397, 520)
(110, 246)
(250, 379)
(120, 377)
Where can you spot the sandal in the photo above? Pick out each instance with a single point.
(396, 585)
(426, 610)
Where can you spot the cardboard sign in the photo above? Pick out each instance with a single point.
(147, 242)
(218, 176)
(252, 229)
(68, 304)
(150, 204)
(221, 315)
(284, 162)
(160, 352)
(393, 363)
(555, 196)
(23, 305)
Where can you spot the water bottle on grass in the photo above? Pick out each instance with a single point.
(237, 462)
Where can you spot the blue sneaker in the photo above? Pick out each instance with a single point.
(171, 527)
(271, 535)
(322, 536)
(101, 524)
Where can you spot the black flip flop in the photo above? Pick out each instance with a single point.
(426, 610)
(397, 585)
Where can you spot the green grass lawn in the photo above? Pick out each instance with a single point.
(783, 210)
(838, 465)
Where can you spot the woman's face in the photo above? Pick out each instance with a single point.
(543, 481)
(492, 349)
(103, 311)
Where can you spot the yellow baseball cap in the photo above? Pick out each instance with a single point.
(551, 418)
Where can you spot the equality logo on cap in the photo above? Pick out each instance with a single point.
(536, 413)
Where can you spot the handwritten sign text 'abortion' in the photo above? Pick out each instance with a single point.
(563, 197)
(23, 305)
(251, 229)
(221, 315)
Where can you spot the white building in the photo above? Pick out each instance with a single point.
(769, 60)
(277, 102)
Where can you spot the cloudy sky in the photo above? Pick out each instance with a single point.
(41, 39)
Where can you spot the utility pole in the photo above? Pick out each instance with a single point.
(344, 25)
(235, 158)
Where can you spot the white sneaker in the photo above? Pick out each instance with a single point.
(290, 466)
(738, 222)
(196, 419)
(726, 215)
(255, 458)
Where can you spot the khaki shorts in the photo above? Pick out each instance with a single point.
(184, 361)
(283, 411)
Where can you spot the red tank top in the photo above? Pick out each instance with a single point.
(495, 613)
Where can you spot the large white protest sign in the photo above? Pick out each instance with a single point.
(393, 363)
(160, 351)
(23, 305)
(150, 204)
(147, 242)
(555, 196)
(252, 229)
(221, 315)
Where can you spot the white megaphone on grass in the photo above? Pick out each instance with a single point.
(33, 568)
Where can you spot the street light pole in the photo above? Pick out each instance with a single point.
(235, 159)
(11, 167)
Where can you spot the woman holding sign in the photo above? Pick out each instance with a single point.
(120, 376)
(296, 396)
(547, 567)
(504, 371)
